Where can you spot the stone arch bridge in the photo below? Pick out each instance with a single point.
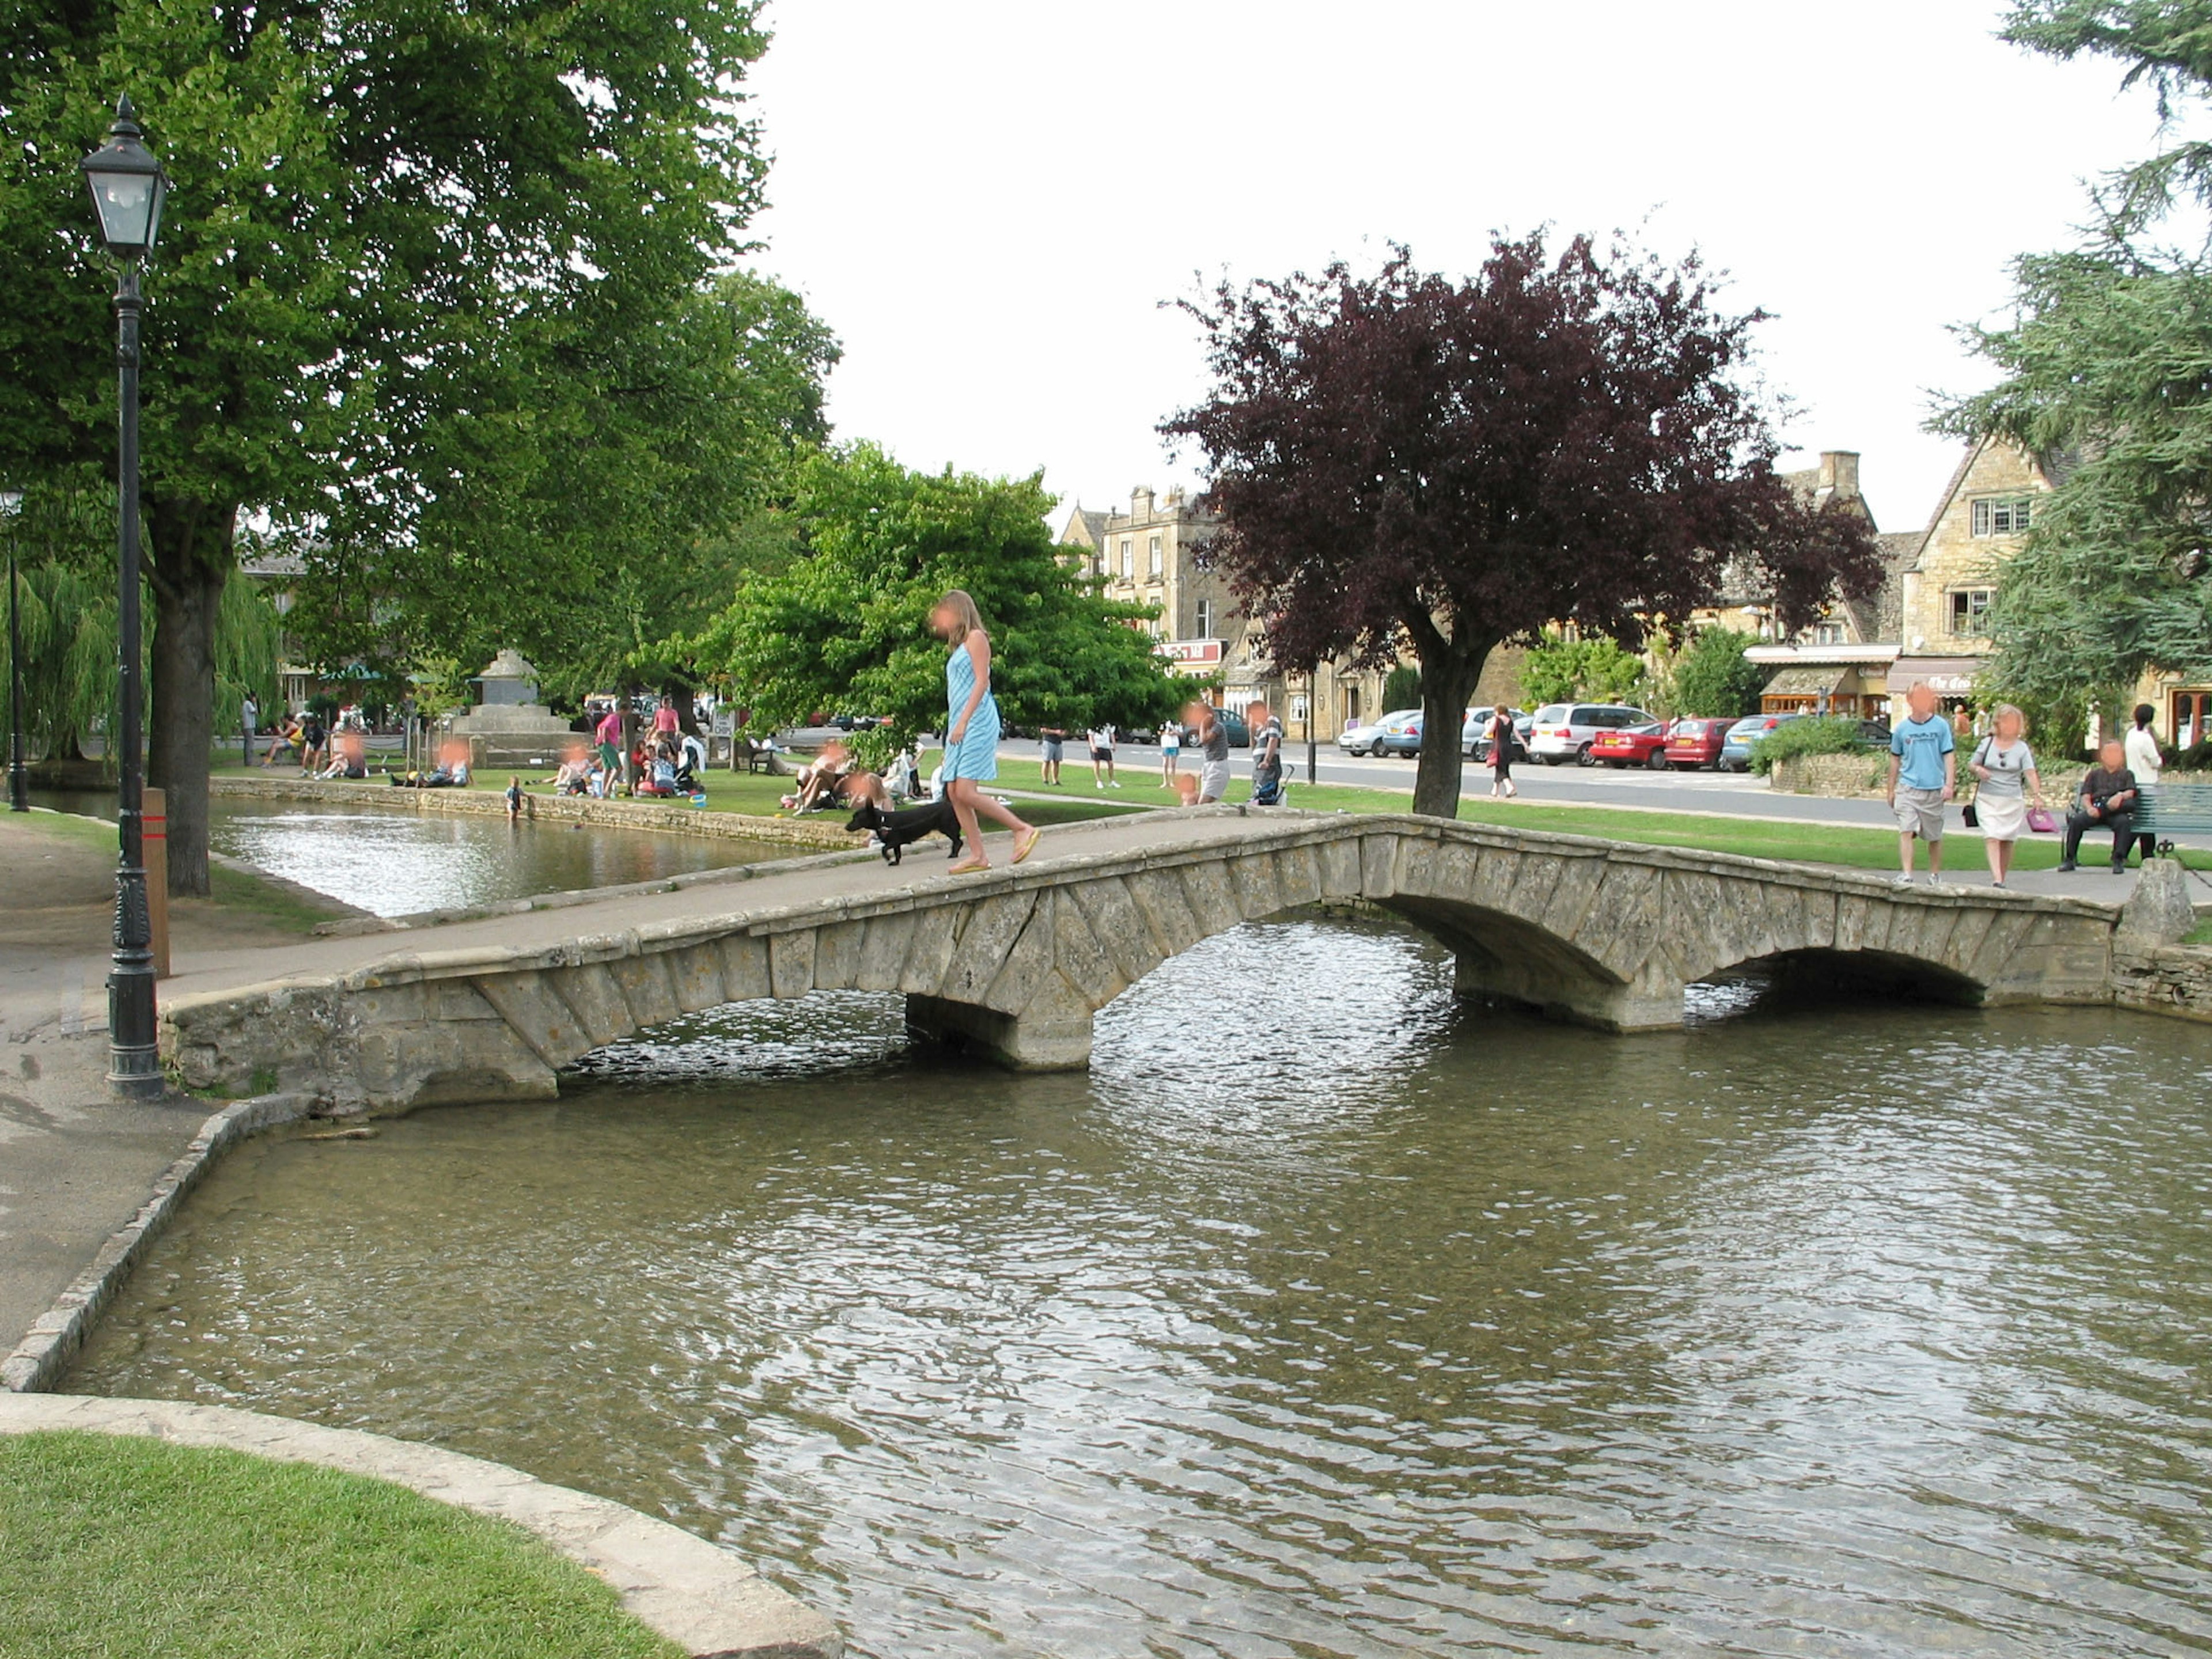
(1017, 962)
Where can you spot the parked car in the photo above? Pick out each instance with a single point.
(1696, 742)
(1398, 733)
(1563, 731)
(1477, 721)
(1736, 749)
(1632, 745)
(1240, 735)
(1357, 738)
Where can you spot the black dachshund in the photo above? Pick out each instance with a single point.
(894, 830)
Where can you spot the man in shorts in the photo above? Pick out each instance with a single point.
(1923, 776)
(1212, 752)
(1053, 738)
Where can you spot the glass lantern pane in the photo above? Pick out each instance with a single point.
(125, 201)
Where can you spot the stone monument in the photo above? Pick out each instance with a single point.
(508, 726)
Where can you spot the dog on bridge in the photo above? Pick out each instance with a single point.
(896, 831)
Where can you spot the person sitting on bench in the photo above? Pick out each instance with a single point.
(2107, 799)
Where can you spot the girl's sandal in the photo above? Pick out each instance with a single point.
(969, 867)
(1025, 845)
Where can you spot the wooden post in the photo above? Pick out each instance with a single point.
(156, 835)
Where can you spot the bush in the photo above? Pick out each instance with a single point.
(1567, 671)
(1816, 734)
(1402, 689)
(1713, 679)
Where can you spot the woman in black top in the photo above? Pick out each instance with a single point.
(1502, 740)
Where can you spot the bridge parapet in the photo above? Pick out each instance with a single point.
(1017, 962)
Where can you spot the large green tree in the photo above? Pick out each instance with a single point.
(2107, 374)
(1713, 677)
(387, 216)
(845, 627)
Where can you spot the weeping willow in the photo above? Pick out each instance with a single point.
(63, 541)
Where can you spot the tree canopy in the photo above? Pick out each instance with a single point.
(844, 628)
(2107, 374)
(1403, 459)
(391, 219)
(1711, 676)
(1561, 669)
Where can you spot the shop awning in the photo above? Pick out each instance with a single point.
(1831, 680)
(1948, 677)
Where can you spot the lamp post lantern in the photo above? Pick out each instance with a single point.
(128, 190)
(19, 793)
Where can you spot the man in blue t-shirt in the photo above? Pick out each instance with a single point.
(1923, 775)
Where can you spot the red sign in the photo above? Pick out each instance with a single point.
(1198, 652)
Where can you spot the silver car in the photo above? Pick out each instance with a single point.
(1563, 731)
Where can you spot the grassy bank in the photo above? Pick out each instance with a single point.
(110, 1545)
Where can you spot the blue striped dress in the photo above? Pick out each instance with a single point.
(977, 756)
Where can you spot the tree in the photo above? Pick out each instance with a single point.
(1406, 461)
(2104, 374)
(1401, 687)
(1712, 677)
(1561, 669)
(388, 216)
(845, 627)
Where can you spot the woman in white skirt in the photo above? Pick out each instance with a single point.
(2005, 766)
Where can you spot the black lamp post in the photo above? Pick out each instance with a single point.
(128, 189)
(19, 791)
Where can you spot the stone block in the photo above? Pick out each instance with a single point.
(1970, 925)
(592, 994)
(1252, 883)
(837, 956)
(1339, 871)
(1574, 890)
(1117, 926)
(1078, 955)
(1212, 903)
(884, 943)
(1022, 968)
(694, 973)
(988, 934)
(1297, 875)
(1621, 925)
(1163, 903)
(790, 963)
(1378, 865)
(2159, 911)
(1863, 921)
(1999, 950)
(535, 1012)
(647, 988)
(935, 931)
(744, 967)
(1034, 1044)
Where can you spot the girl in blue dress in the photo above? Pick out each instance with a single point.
(971, 730)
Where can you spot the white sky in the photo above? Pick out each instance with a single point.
(988, 199)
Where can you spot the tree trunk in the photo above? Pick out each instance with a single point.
(1448, 680)
(191, 558)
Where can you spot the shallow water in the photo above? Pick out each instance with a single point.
(395, 861)
(1323, 1317)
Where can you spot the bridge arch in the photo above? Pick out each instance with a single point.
(1018, 962)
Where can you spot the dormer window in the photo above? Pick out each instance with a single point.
(2002, 515)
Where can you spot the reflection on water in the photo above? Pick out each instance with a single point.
(394, 862)
(1323, 1318)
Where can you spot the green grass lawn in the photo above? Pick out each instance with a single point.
(233, 891)
(112, 1547)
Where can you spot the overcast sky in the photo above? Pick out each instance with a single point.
(988, 200)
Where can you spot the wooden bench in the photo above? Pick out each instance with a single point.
(2166, 808)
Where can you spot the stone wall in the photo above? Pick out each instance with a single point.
(2163, 979)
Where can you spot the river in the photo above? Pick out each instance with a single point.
(1324, 1316)
(396, 862)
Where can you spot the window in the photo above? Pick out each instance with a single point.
(1206, 619)
(1156, 558)
(1969, 610)
(1128, 560)
(2002, 515)
(1828, 633)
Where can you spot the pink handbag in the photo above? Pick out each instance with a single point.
(2040, 820)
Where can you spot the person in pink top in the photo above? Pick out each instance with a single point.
(665, 723)
(609, 735)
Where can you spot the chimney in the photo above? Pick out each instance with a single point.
(1140, 502)
(1839, 475)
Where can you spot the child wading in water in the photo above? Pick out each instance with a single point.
(513, 798)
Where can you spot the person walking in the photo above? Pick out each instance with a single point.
(1055, 740)
(1171, 753)
(2004, 767)
(2140, 747)
(1924, 775)
(1267, 754)
(1503, 737)
(971, 730)
(2107, 799)
(1101, 740)
(1212, 752)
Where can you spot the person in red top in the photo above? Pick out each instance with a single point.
(609, 735)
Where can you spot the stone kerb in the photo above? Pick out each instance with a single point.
(1016, 961)
(706, 1600)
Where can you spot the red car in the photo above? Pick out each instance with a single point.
(1632, 745)
(1696, 744)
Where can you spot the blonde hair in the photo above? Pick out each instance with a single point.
(966, 618)
(1998, 714)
